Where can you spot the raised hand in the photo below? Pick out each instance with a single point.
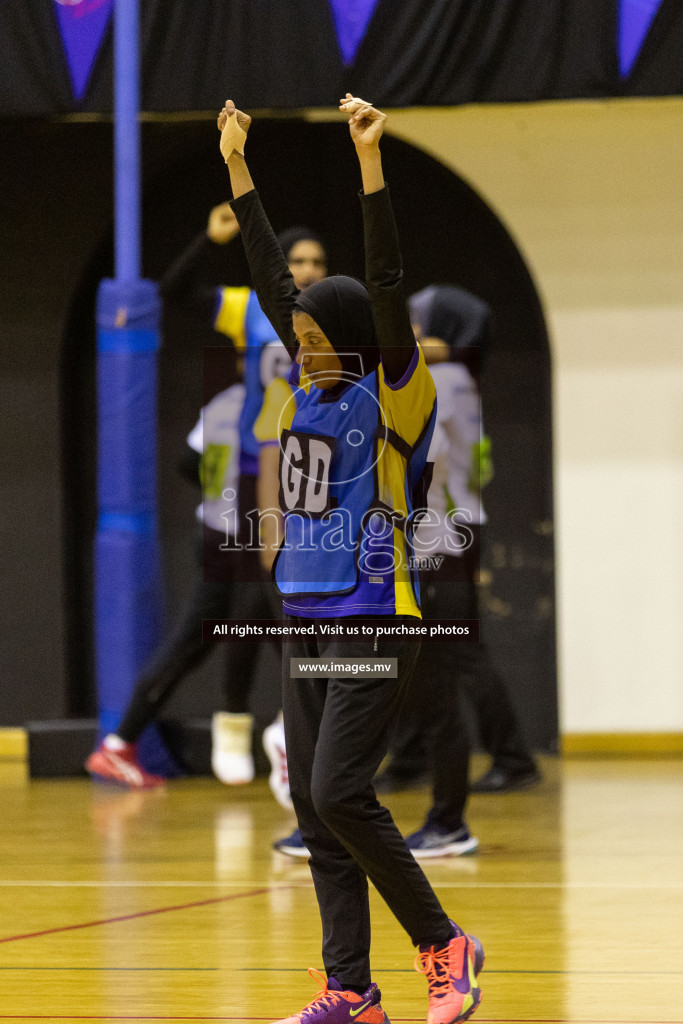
(366, 123)
(222, 226)
(233, 125)
(229, 110)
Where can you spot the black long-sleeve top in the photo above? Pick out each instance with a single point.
(182, 281)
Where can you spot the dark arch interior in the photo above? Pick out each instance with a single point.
(307, 173)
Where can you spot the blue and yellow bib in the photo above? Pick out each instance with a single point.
(351, 466)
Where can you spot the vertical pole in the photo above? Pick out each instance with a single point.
(127, 202)
(128, 592)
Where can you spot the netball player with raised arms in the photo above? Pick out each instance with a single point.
(352, 468)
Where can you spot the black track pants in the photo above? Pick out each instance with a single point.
(337, 732)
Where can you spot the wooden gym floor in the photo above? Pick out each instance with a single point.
(171, 905)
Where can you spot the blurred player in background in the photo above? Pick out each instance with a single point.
(235, 313)
(213, 458)
(454, 326)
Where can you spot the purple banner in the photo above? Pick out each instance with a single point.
(635, 19)
(82, 25)
(351, 20)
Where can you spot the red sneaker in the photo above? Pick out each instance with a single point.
(452, 977)
(121, 767)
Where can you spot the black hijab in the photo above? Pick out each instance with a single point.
(457, 317)
(342, 310)
(452, 314)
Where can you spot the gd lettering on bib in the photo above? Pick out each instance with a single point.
(305, 461)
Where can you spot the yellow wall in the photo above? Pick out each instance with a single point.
(592, 194)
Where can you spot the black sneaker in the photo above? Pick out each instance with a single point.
(506, 780)
(395, 782)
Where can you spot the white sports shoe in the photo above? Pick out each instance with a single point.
(274, 746)
(231, 757)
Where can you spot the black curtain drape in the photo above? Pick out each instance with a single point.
(457, 51)
(285, 54)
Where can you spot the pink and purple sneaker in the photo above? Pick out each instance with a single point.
(335, 1005)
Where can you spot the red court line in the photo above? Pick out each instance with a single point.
(132, 917)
